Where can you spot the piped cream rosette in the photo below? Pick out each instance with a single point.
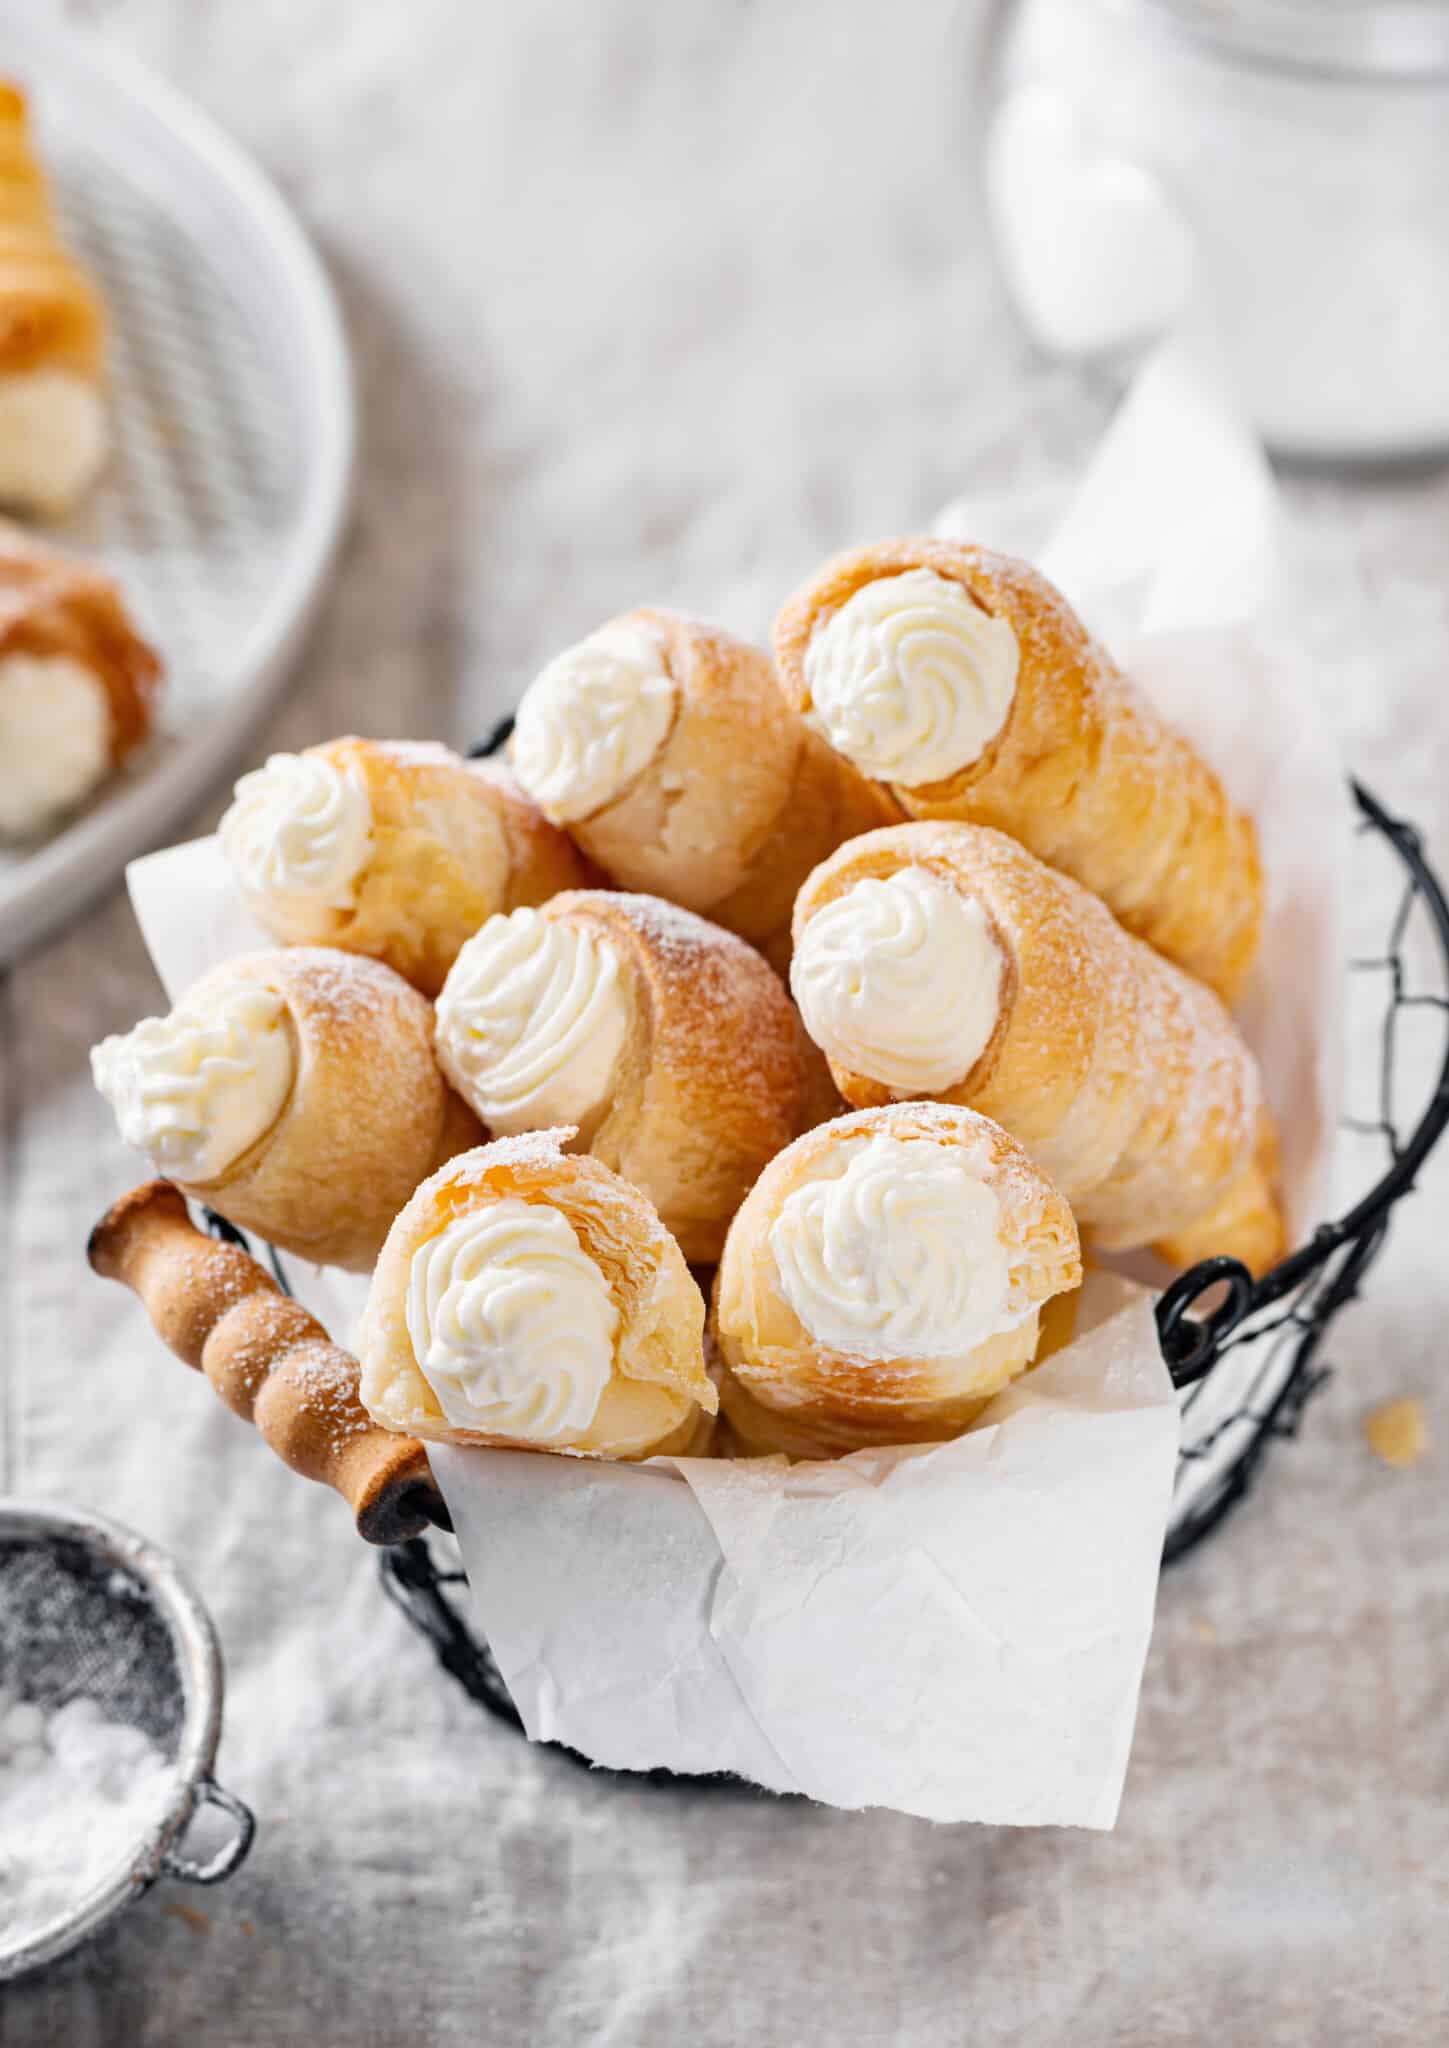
(884, 1279)
(528, 1297)
(395, 849)
(945, 961)
(77, 682)
(962, 682)
(664, 747)
(296, 1093)
(668, 1043)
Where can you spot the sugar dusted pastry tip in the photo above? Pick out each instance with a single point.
(884, 1279)
(53, 430)
(296, 1092)
(267, 1359)
(398, 850)
(529, 1298)
(665, 748)
(963, 682)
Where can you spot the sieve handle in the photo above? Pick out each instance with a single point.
(267, 1358)
(232, 1853)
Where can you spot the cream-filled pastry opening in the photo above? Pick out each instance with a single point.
(196, 1089)
(531, 1022)
(900, 979)
(910, 679)
(897, 1256)
(592, 722)
(512, 1324)
(297, 835)
(53, 438)
(55, 738)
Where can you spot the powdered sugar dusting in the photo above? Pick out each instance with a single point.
(78, 1795)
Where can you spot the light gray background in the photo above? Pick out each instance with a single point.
(664, 303)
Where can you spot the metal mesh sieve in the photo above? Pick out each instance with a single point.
(88, 1610)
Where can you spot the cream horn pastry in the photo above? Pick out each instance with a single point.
(947, 961)
(77, 682)
(53, 433)
(396, 849)
(663, 745)
(296, 1093)
(528, 1297)
(668, 1044)
(883, 1279)
(965, 684)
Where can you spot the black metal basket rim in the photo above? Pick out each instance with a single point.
(1191, 1343)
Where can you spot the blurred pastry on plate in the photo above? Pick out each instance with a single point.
(77, 683)
(883, 1280)
(398, 849)
(666, 749)
(528, 1297)
(947, 961)
(667, 1042)
(963, 683)
(53, 430)
(295, 1092)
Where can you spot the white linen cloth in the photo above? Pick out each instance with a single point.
(670, 303)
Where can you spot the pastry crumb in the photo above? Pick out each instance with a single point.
(196, 1920)
(1397, 1432)
(1205, 1631)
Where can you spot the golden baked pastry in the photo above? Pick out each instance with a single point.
(664, 747)
(53, 433)
(393, 848)
(528, 1297)
(295, 1092)
(883, 1280)
(946, 961)
(668, 1043)
(77, 683)
(965, 684)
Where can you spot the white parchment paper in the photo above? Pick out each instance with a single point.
(956, 1631)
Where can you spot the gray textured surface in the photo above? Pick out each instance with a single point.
(664, 304)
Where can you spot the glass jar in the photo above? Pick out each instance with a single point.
(1269, 178)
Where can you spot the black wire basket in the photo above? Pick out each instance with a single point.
(1245, 1355)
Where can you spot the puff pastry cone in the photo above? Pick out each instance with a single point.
(393, 848)
(77, 681)
(947, 961)
(667, 1043)
(529, 1298)
(295, 1092)
(963, 682)
(883, 1280)
(665, 748)
(53, 433)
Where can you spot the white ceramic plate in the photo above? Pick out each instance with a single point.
(233, 424)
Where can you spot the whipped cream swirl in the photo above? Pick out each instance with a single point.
(512, 1324)
(196, 1089)
(592, 721)
(55, 738)
(531, 1022)
(298, 835)
(900, 1257)
(910, 679)
(900, 979)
